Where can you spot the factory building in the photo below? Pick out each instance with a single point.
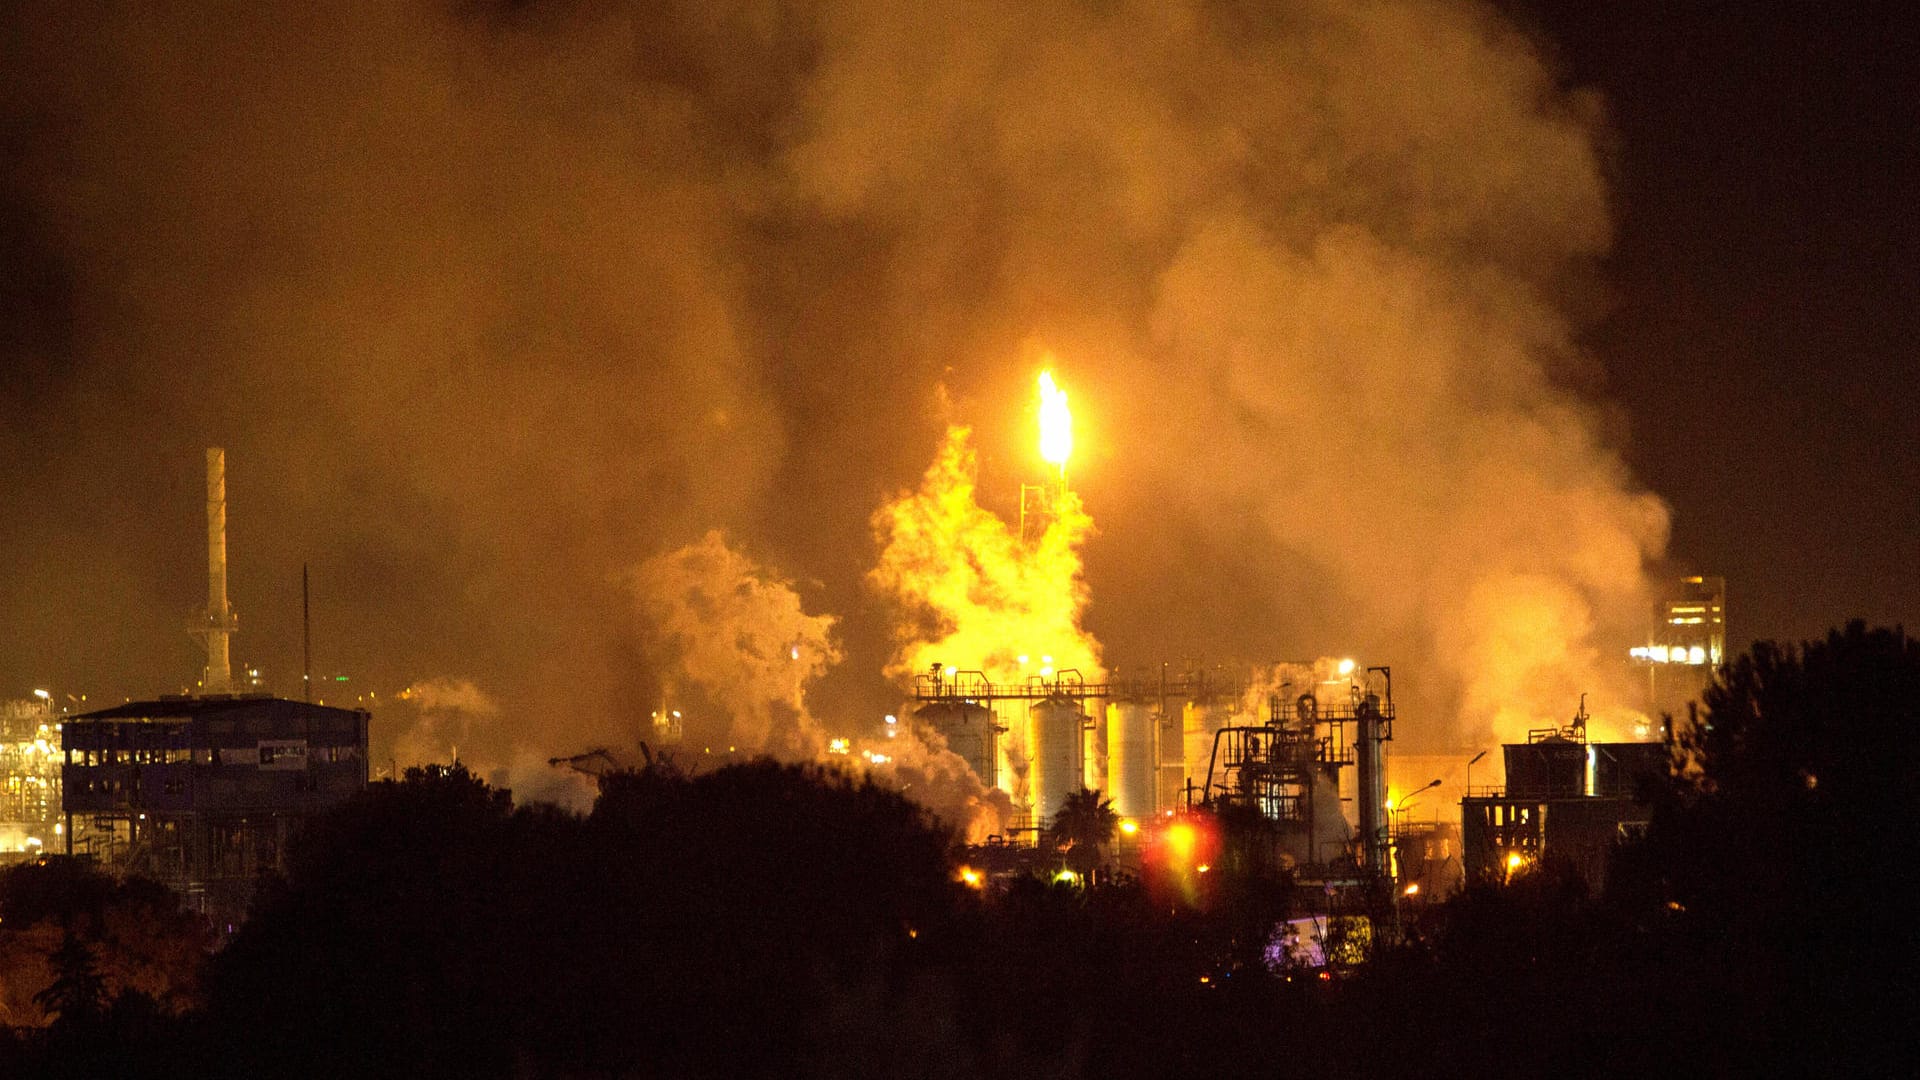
(29, 778)
(203, 792)
(1687, 644)
(1566, 800)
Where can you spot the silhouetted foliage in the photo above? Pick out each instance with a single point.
(77, 996)
(1083, 828)
(1775, 870)
(766, 920)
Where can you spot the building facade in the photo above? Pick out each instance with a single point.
(203, 792)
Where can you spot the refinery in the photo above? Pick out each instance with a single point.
(1009, 725)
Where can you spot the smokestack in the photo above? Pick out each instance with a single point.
(220, 622)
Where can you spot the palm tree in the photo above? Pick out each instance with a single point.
(1083, 828)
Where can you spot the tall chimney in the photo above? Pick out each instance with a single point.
(220, 620)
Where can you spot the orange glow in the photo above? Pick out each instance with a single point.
(1056, 424)
(1181, 840)
(970, 877)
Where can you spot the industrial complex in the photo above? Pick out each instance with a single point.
(204, 791)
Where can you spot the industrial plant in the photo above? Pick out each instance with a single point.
(200, 792)
(204, 791)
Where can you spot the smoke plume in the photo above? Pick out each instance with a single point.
(490, 303)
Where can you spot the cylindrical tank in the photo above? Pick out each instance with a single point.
(1054, 745)
(1130, 758)
(1201, 720)
(1173, 767)
(968, 730)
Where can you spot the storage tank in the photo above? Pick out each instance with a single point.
(1053, 771)
(969, 731)
(1201, 720)
(1173, 767)
(1130, 758)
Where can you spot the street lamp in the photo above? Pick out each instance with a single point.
(1400, 805)
(1470, 762)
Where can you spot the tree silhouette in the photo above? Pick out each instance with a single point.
(77, 996)
(1083, 828)
(1771, 868)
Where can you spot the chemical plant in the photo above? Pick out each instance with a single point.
(203, 791)
(199, 792)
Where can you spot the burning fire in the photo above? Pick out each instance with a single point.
(1056, 425)
(976, 597)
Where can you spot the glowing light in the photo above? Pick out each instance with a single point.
(1346, 667)
(1022, 658)
(1066, 877)
(1181, 840)
(1056, 424)
(1202, 868)
(951, 671)
(43, 695)
(1515, 861)
(1129, 826)
(793, 653)
(838, 746)
(970, 877)
(1413, 889)
(892, 719)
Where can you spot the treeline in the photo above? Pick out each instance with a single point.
(767, 920)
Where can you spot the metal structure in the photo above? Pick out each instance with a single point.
(29, 778)
(1132, 764)
(1566, 798)
(1146, 773)
(1288, 772)
(1687, 643)
(203, 792)
(970, 731)
(218, 624)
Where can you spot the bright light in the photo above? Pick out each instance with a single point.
(1202, 868)
(43, 695)
(1413, 889)
(1129, 826)
(1065, 877)
(1022, 658)
(1346, 667)
(970, 877)
(837, 746)
(951, 671)
(892, 719)
(1056, 424)
(1181, 839)
(793, 653)
(1515, 861)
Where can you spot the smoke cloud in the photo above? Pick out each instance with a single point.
(492, 303)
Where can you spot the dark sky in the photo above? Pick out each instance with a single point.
(492, 302)
(1765, 343)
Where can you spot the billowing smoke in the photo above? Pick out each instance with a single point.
(742, 655)
(736, 638)
(431, 718)
(490, 303)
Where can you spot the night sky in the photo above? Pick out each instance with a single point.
(1764, 345)
(491, 303)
